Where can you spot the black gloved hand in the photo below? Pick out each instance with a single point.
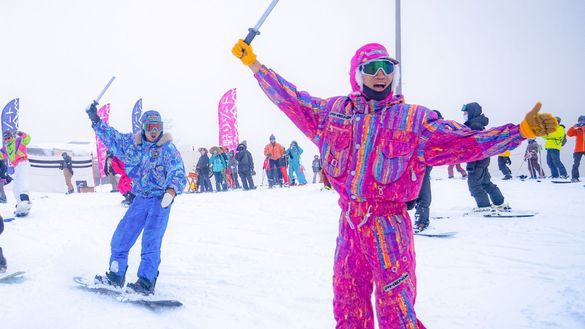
(253, 173)
(508, 161)
(19, 133)
(92, 113)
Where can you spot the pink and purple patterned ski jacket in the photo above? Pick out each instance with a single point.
(377, 151)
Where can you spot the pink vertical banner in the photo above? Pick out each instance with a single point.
(104, 114)
(228, 120)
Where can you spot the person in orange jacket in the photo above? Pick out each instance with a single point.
(577, 131)
(274, 151)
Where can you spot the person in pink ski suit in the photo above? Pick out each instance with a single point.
(375, 149)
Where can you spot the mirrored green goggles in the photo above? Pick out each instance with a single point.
(372, 67)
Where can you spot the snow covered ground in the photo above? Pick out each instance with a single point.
(263, 259)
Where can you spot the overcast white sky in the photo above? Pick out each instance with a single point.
(175, 54)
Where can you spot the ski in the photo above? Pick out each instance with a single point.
(436, 235)
(508, 214)
(120, 295)
(12, 277)
(563, 182)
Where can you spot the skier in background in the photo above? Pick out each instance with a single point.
(3, 264)
(110, 172)
(233, 168)
(375, 149)
(554, 142)
(15, 150)
(154, 164)
(532, 157)
(5, 179)
(218, 165)
(67, 166)
(124, 183)
(245, 166)
(578, 130)
(316, 166)
(459, 169)
(503, 162)
(273, 151)
(294, 166)
(203, 171)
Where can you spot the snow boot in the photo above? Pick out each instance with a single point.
(110, 279)
(142, 287)
(421, 219)
(502, 207)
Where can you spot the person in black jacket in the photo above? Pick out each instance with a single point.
(4, 180)
(479, 179)
(203, 171)
(109, 171)
(245, 166)
(67, 167)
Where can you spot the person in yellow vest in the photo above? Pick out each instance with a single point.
(554, 143)
(15, 151)
(503, 162)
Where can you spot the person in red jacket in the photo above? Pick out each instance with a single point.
(577, 131)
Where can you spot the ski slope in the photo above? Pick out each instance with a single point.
(264, 258)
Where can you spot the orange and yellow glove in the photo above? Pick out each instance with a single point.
(244, 52)
(537, 124)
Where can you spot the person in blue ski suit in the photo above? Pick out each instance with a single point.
(294, 166)
(156, 168)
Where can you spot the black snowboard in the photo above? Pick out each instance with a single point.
(148, 301)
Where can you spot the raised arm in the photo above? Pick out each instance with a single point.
(305, 111)
(447, 142)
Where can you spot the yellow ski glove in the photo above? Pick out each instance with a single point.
(244, 52)
(537, 124)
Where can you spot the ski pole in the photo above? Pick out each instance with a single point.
(254, 31)
(97, 100)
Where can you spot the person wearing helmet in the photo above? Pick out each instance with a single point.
(156, 168)
(15, 150)
(375, 149)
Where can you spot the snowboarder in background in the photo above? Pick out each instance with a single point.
(375, 150)
(154, 164)
(273, 151)
(245, 166)
(459, 169)
(3, 264)
(124, 183)
(503, 162)
(67, 166)
(294, 166)
(554, 142)
(5, 179)
(316, 166)
(15, 150)
(110, 172)
(479, 180)
(532, 157)
(577, 131)
(203, 171)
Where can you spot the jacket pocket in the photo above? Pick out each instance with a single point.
(336, 149)
(393, 153)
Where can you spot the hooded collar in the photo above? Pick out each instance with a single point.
(162, 139)
(364, 106)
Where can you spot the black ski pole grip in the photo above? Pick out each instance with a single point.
(251, 35)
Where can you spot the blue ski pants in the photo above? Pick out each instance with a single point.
(145, 214)
(295, 168)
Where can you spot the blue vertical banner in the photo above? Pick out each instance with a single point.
(10, 115)
(10, 122)
(136, 114)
